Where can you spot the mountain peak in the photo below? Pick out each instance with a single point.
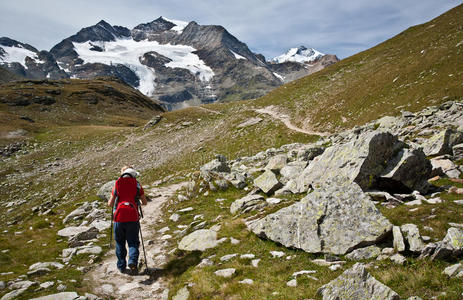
(299, 54)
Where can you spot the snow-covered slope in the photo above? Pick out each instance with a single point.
(17, 54)
(300, 54)
(129, 53)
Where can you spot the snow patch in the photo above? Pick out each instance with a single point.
(300, 54)
(129, 53)
(237, 56)
(179, 25)
(17, 54)
(279, 76)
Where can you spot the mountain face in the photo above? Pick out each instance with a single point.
(175, 62)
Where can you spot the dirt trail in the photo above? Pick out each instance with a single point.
(149, 284)
(274, 113)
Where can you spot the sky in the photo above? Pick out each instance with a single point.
(269, 27)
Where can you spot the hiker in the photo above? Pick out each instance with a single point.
(125, 200)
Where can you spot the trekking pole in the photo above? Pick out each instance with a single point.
(141, 237)
(111, 232)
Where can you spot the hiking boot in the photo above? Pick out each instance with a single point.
(133, 269)
(123, 271)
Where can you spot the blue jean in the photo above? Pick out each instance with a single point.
(126, 232)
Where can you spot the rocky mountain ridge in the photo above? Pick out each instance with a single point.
(176, 62)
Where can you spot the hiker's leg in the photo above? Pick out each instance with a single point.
(133, 242)
(120, 238)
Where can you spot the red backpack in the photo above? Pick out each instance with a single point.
(127, 192)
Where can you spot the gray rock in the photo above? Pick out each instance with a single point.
(248, 203)
(398, 239)
(442, 166)
(247, 281)
(276, 163)
(457, 152)
(408, 168)
(292, 283)
(59, 296)
(291, 187)
(174, 217)
(89, 250)
(292, 171)
(442, 142)
(364, 253)
(77, 239)
(267, 182)
(74, 230)
(309, 152)
(336, 218)
(250, 122)
(455, 270)
(105, 191)
(413, 237)
(13, 294)
(2, 285)
(454, 238)
(199, 240)
(356, 283)
(398, 259)
(373, 160)
(25, 284)
(38, 272)
(225, 272)
(47, 284)
(40, 265)
(182, 294)
(218, 165)
(100, 224)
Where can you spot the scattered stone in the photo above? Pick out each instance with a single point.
(174, 217)
(303, 272)
(398, 259)
(188, 209)
(234, 241)
(412, 235)
(73, 230)
(442, 142)
(277, 254)
(356, 283)
(325, 263)
(414, 202)
(205, 262)
(273, 201)
(61, 287)
(338, 216)
(250, 122)
(267, 182)
(182, 294)
(459, 202)
(398, 239)
(443, 166)
(38, 272)
(247, 281)
(248, 203)
(225, 272)
(255, 262)
(59, 296)
(25, 284)
(228, 257)
(364, 253)
(292, 283)
(457, 152)
(276, 163)
(47, 284)
(335, 267)
(199, 240)
(40, 265)
(455, 270)
(247, 256)
(13, 294)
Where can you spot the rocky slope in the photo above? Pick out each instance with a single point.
(175, 62)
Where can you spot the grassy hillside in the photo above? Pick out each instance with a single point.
(419, 67)
(33, 105)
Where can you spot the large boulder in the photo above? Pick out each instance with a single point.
(370, 159)
(267, 182)
(276, 163)
(442, 142)
(105, 191)
(356, 283)
(337, 218)
(413, 237)
(199, 240)
(441, 166)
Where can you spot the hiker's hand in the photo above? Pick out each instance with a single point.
(143, 199)
(111, 200)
